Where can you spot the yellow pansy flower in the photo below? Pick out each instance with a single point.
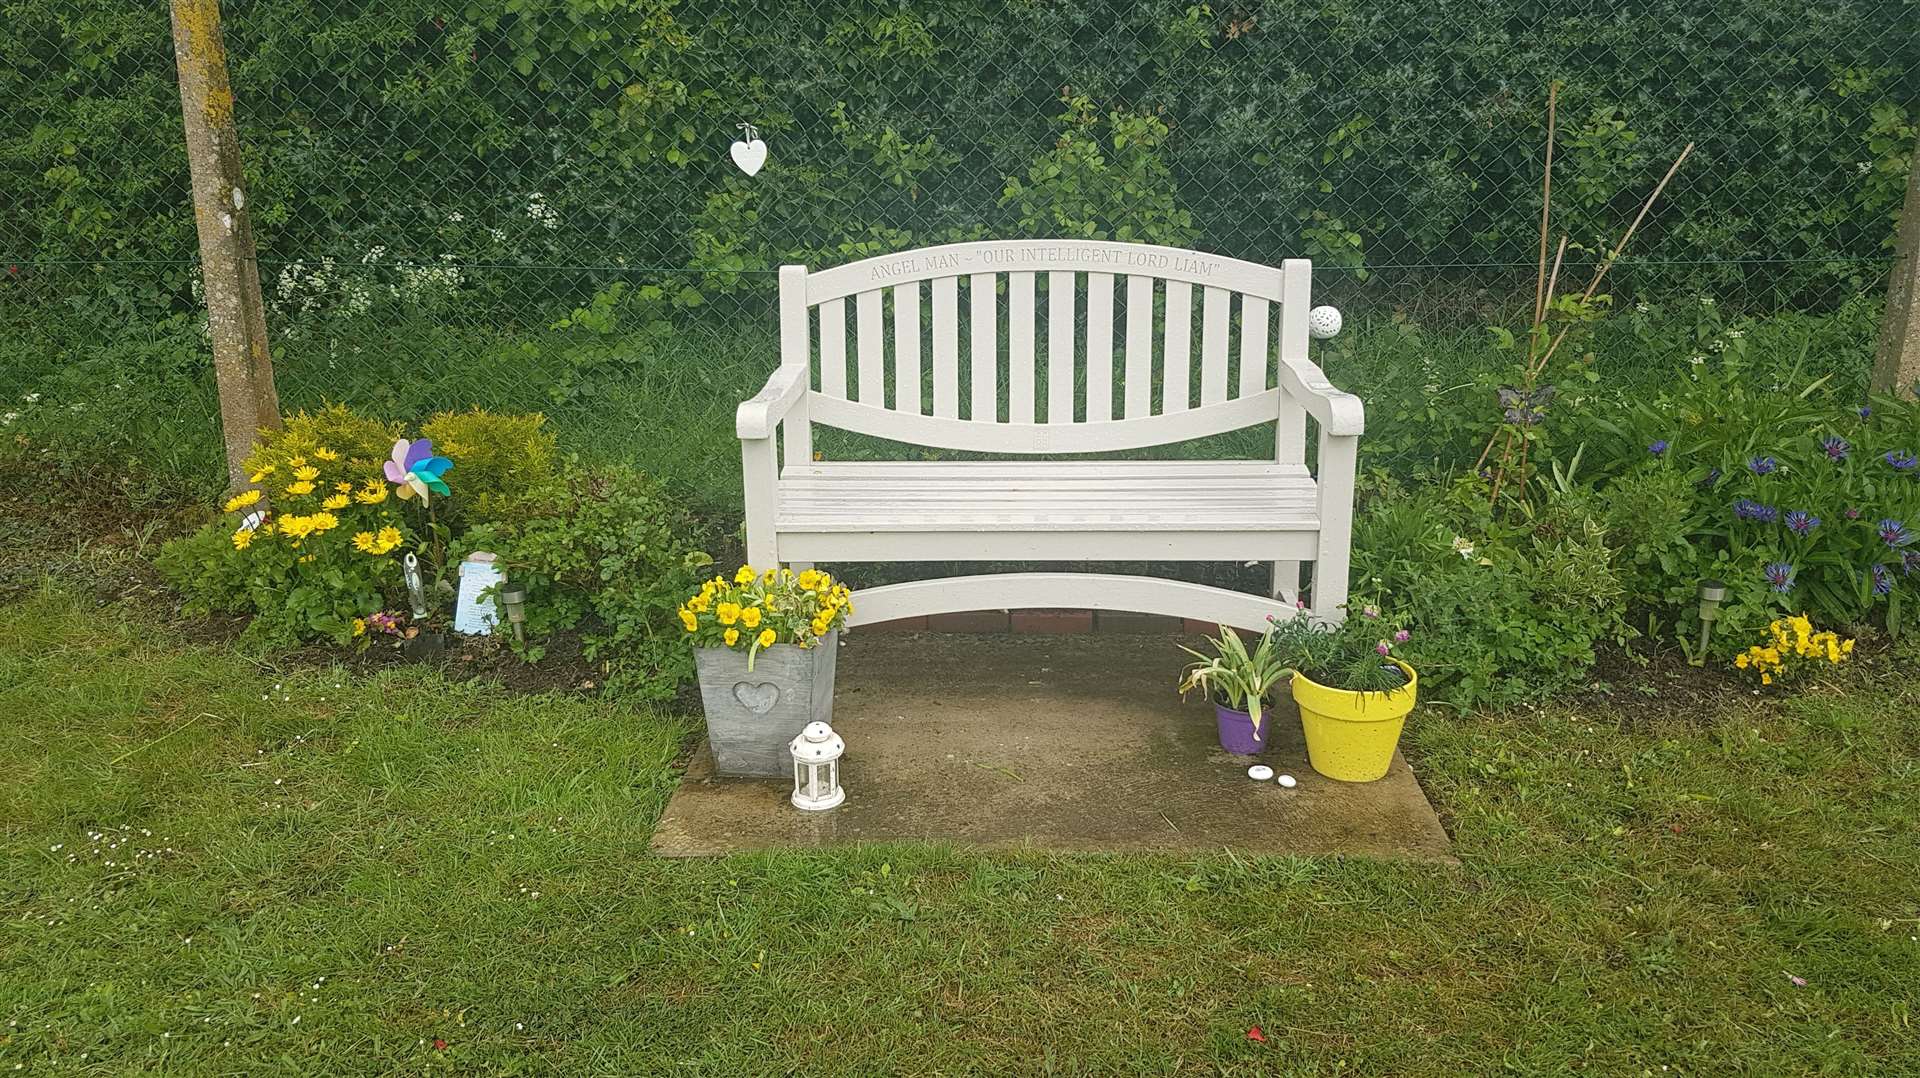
(687, 619)
(243, 499)
(750, 617)
(699, 603)
(728, 613)
(744, 576)
(731, 636)
(766, 638)
(359, 626)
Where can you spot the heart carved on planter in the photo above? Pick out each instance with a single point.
(757, 696)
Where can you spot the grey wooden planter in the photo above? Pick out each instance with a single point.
(752, 716)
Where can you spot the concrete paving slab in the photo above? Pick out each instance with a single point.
(1048, 743)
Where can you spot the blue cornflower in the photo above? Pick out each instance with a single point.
(1835, 448)
(1864, 412)
(1657, 446)
(1780, 575)
(1894, 533)
(1763, 465)
(1910, 562)
(1882, 578)
(1901, 460)
(1748, 509)
(1800, 522)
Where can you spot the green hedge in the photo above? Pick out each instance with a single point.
(1363, 133)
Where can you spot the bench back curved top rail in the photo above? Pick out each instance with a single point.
(1074, 256)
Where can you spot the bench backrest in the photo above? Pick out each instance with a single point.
(949, 347)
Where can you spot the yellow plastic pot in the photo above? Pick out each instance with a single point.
(1351, 735)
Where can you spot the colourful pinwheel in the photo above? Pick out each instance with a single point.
(415, 470)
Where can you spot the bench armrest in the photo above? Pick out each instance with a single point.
(758, 416)
(1339, 414)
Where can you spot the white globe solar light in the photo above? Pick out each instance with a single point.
(816, 768)
(1323, 323)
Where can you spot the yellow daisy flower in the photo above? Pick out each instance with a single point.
(243, 539)
(297, 489)
(326, 454)
(338, 501)
(243, 499)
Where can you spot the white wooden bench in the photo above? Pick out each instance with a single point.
(942, 353)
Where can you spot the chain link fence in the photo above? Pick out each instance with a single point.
(530, 204)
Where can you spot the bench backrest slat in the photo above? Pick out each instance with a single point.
(984, 328)
(1139, 347)
(1099, 347)
(906, 343)
(872, 345)
(946, 348)
(1020, 348)
(1213, 346)
(1102, 386)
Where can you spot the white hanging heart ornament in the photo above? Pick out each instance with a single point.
(749, 153)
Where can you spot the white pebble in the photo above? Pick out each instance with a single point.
(1288, 781)
(1259, 772)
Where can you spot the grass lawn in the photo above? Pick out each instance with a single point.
(215, 867)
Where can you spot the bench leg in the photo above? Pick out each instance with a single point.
(1335, 483)
(761, 481)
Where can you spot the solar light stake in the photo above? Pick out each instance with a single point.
(513, 599)
(1711, 594)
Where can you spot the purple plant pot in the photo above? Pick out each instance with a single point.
(1236, 730)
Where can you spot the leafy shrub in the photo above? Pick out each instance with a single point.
(1498, 611)
(312, 548)
(498, 455)
(607, 551)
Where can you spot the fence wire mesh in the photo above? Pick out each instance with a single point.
(530, 204)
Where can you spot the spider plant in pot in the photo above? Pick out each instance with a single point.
(1353, 693)
(1238, 681)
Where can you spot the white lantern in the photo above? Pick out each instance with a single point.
(1323, 323)
(816, 768)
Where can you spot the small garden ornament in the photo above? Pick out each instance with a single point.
(816, 768)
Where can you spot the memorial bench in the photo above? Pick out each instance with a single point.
(1028, 389)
